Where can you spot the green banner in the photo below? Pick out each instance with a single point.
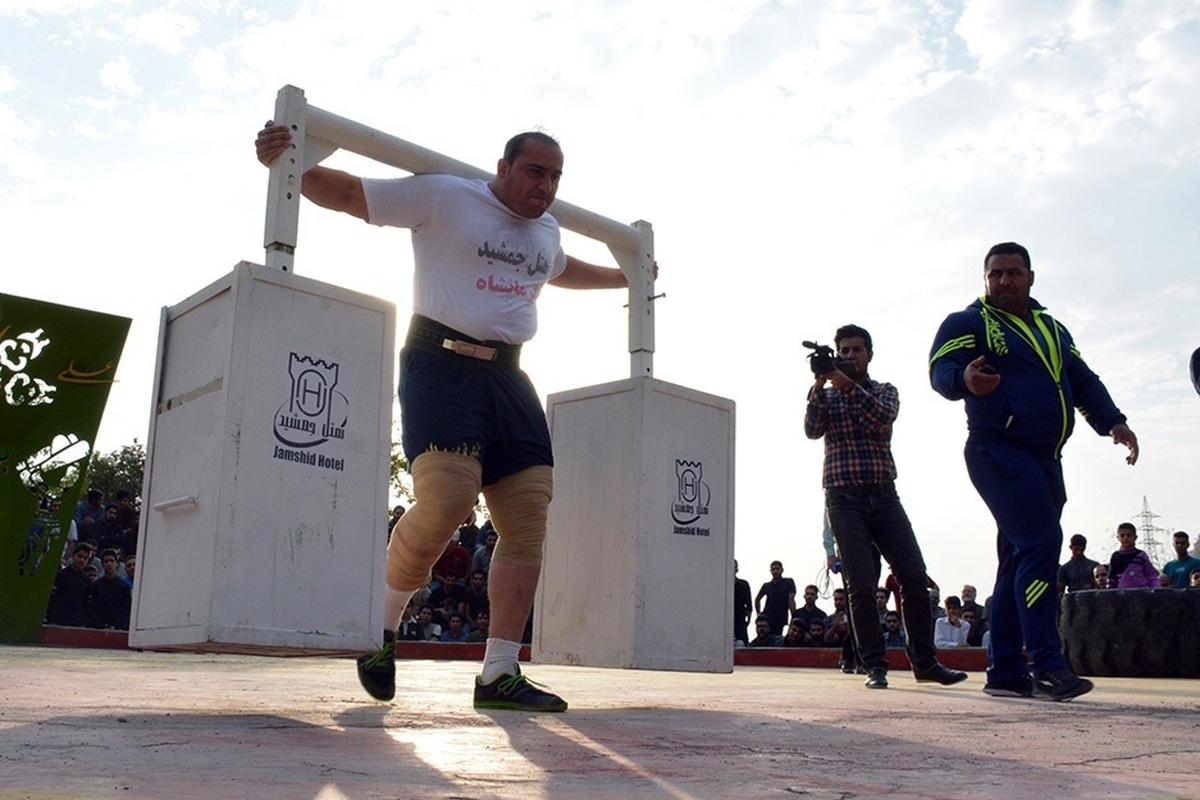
(57, 364)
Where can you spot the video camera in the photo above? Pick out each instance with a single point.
(823, 359)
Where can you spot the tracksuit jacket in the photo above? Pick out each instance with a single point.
(1043, 378)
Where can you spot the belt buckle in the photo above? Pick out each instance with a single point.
(481, 352)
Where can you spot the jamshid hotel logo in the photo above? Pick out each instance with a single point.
(690, 505)
(310, 426)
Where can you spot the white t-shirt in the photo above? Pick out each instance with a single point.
(479, 266)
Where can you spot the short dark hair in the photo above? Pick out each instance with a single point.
(849, 332)
(1008, 249)
(516, 145)
(1079, 540)
(108, 551)
(1127, 526)
(1178, 534)
(122, 494)
(95, 494)
(953, 602)
(777, 563)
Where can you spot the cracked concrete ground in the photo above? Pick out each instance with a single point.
(78, 723)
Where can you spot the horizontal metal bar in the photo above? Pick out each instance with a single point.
(396, 152)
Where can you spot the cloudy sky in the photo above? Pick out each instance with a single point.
(803, 164)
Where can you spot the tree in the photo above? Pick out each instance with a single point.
(400, 481)
(120, 469)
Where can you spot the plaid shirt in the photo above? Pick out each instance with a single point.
(858, 432)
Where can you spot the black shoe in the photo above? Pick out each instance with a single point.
(377, 672)
(516, 692)
(847, 667)
(1061, 684)
(1013, 687)
(876, 678)
(939, 673)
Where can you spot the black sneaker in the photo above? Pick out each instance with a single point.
(377, 672)
(1013, 687)
(847, 667)
(1061, 684)
(876, 678)
(516, 692)
(939, 673)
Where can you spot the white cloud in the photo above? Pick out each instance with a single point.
(161, 28)
(117, 76)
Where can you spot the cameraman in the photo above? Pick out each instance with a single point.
(855, 414)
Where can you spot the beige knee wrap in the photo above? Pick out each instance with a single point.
(446, 486)
(519, 504)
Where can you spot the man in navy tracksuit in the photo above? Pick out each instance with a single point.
(1021, 377)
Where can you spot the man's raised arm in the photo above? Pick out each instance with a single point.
(328, 188)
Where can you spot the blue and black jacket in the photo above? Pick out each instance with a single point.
(1043, 378)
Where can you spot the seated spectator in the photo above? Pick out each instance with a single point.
(441, 613)
(1178, 572)
(479, 631)
(816, 632)
(410, 625)
(456, 631)
(1100, 576)
(468, 533)
(968, 597)
(454, 558)
(397, 513)
(130, 569)
(971, 617)
(935, 601)
(797, 634)
(881, 601)
(482, 559)
(837, 624)
(109, 598)
(1129, 567)
(1194, 578)
(451, 589)
(68, 599)
(809, 611)
(425, 630)
(128, 517)
(475, 598)
(950, 630)
(764, 637)
(893, 633)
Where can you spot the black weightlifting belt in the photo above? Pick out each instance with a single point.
(427, 334)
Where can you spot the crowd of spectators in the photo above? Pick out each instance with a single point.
(960, 621)
(453, 607)
(94, 586)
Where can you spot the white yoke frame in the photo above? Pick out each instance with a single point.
(317, 134)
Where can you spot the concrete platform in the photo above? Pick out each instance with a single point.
(85, 723)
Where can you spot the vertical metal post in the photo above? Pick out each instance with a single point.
(638, 267)
(283, 187)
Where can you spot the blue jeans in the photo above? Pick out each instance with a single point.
(869, 518)
(1026, 494)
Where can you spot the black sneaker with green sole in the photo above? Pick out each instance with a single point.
(377, 672)
(517, 693)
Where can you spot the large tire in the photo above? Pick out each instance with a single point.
(1132, 633)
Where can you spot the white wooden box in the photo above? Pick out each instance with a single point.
(639, 555)
(265, 499)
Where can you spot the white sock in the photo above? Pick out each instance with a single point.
(394, 602)
(499, 658)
